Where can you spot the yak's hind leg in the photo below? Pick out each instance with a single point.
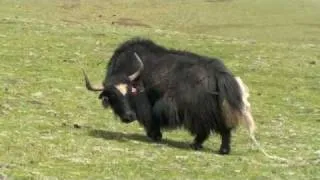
(225, 142)
(199, 139)
(200, 130)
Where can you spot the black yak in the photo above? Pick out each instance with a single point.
(165, 88)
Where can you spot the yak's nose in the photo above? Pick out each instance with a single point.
(129, 117)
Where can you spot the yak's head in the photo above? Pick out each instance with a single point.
(117, 93)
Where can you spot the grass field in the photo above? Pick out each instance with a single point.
(52, 128)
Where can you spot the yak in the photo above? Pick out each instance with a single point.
(166, 88)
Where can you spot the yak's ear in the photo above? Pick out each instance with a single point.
(137, 87)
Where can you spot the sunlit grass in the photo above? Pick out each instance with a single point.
(51, 127)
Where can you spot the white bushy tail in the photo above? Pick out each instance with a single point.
(248, 119)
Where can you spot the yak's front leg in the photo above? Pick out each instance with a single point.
(153, 129)
(144, 112)
(160, 116)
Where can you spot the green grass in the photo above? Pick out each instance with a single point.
(272, 44)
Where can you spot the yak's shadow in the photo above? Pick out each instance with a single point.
(119, 136)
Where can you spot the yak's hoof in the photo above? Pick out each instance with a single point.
(155, 136)
(196, 146)
(224, 151)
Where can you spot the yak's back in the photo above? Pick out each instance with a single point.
(189, 89)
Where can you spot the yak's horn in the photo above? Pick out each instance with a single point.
(88, 84)
(137, 73)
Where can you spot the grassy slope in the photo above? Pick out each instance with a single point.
(273, 45)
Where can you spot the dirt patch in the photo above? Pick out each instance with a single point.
(214, 1)
(100, 34)
(313, 25)
(130, 22)
(69, 4)
(8, 21)
(226, 26)
(242, 25)
(70, 21)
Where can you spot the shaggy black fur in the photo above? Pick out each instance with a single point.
(176, 88)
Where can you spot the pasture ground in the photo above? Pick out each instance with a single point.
(52, 128)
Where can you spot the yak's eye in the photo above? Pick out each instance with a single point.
(105, 99)
(112, 96)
